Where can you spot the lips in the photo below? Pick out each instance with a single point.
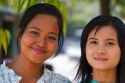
(100, 58)
(39, 50)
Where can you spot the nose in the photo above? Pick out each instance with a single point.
(41, 42)
(101, 49)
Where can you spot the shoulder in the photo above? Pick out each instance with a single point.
(2, 70)
(8, 75)
(60, 78)
(55, 77)
(2, 73)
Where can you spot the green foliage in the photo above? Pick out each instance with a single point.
(118, 7)
(120, 2)
(5, 37)
(23, 4)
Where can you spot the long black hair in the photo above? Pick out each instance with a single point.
(42, 8)
(85, 70)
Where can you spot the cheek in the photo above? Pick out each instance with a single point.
(26, 40)
(114, 55)
(56, 46)
(53, 47)
(89, 53)
(89, 50)
(117, 56)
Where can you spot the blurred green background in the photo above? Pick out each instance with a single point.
(76, 14)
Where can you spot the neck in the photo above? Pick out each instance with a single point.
(104, 76)
(26, 69)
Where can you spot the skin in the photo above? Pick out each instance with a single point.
(103, 54)
(38, 43)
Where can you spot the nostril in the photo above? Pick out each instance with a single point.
(101, 50)
(41, 43)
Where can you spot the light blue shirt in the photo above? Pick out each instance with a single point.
(92, 81)
(9, 76)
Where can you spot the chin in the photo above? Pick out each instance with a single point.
(37, 61)
(101, 68)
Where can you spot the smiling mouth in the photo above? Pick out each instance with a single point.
(100, 59)
(39, 51)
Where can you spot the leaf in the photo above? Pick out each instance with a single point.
(0, 39)
(64, 13)
(5, 37)
(8, 36)
(20, 5)
(3, 41)
(30, 3)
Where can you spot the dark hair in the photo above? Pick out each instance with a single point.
(42, 8)
(85, 70)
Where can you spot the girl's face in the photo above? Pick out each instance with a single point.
(102, 49)
(40, 39)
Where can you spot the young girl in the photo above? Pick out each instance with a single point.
(102, 51)
(40, 36)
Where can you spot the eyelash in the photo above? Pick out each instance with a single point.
(93, 42)
(107, 43)
(51, 38)
(34, 33)
(110, 43)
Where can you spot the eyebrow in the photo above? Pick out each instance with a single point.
(52, 33)
(35, 28)
(92, 38)
(109, 39)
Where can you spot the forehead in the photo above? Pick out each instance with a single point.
(44, 18)
(43, 21)
(103, 31)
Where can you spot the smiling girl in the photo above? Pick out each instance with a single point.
(40, 37)
(102, 51)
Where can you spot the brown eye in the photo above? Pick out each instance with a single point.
(93, 42)
(109, 43)
(34, 33)
(51, 38)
